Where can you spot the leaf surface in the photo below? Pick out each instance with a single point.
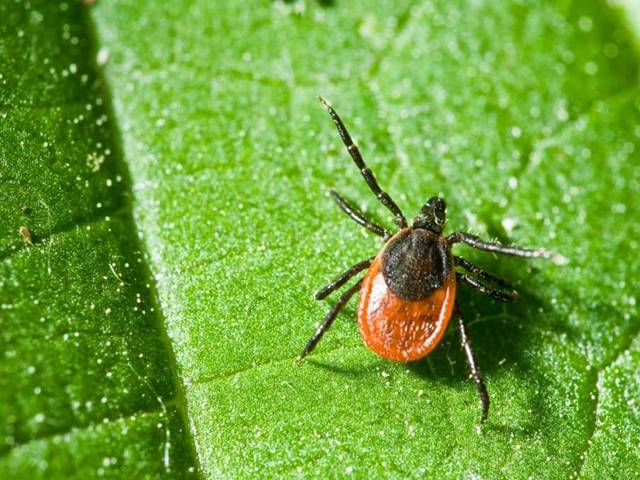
(87, 382)
(525, 116)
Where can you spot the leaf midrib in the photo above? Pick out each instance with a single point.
(124, 205)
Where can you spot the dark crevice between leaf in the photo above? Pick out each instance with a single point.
(60, 229)
(180, 402)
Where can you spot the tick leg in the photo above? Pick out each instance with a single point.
(358, 217)
(470, 267)
(480, 244)
(497, 294)
(342, 279)
(381, 195)
(329, 318)
(475, 371)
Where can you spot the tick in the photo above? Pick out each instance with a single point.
(408, 293)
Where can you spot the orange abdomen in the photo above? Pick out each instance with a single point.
(402, 330)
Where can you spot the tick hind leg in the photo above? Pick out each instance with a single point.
(342, 279)
(476, 375)
(358, 217)
(507, 297)
(329, 318)
(353, 150)
(484, 275)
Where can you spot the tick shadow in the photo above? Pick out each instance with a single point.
(500, 335)
(339, 370)
(348, 315)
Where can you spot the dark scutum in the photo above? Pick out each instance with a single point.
(415, 263)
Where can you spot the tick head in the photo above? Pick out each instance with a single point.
(432, 215)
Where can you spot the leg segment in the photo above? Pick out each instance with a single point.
(342, 279)
(480, 244)
(496, 294)
(470, 267)
(475, 371)
(381, 195)
(328, 319)
(358, 217)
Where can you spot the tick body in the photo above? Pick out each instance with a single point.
(408, 292)
(407, 296)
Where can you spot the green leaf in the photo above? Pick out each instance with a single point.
(525, 116)
(87, 385)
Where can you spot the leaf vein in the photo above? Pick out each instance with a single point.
(86, 427)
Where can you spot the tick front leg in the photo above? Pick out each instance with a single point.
(473, 367)
(329, 318)
(480, 244)
(382, 196)
(358, 217)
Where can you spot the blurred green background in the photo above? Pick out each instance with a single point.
(172, 164)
